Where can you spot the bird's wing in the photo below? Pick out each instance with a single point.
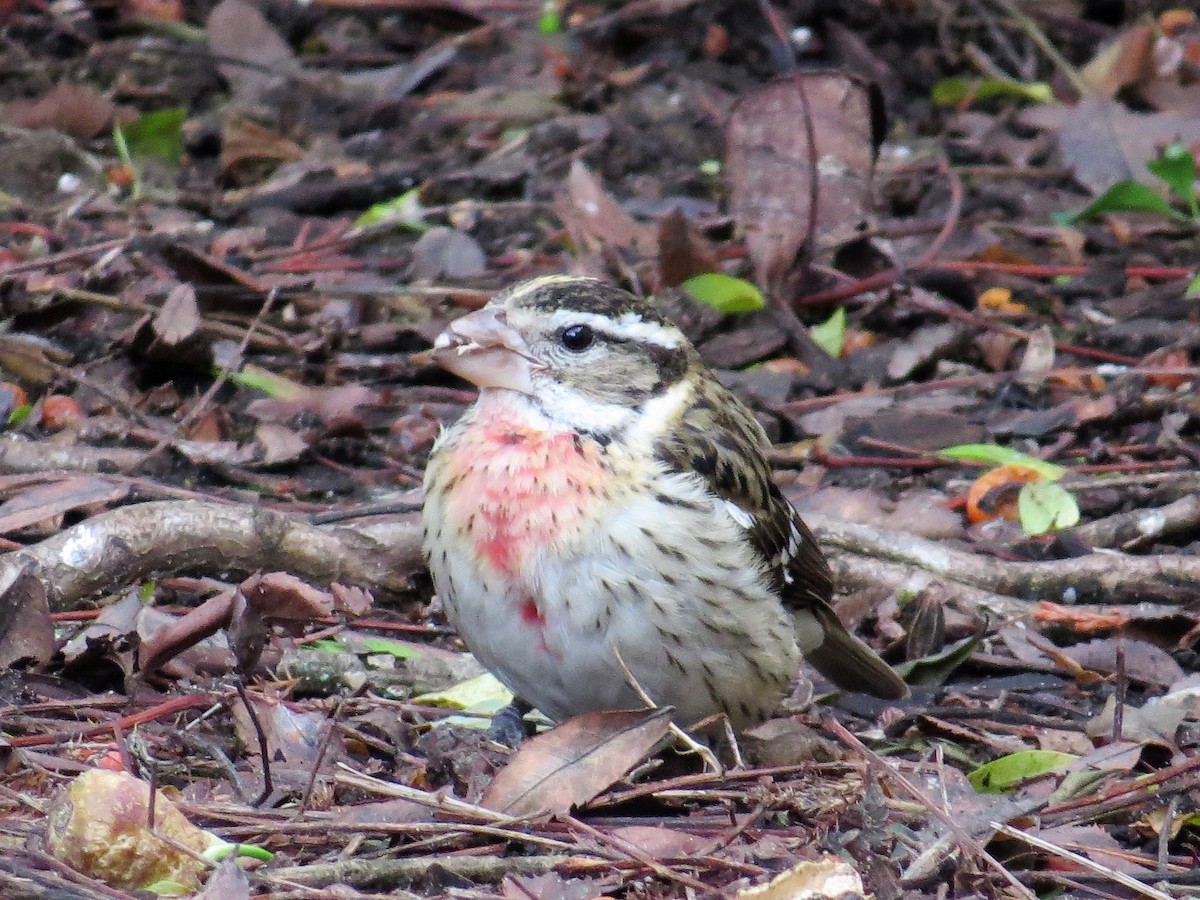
(719, 440)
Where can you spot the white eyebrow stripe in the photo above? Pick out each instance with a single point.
(535, 284)
(628, 325)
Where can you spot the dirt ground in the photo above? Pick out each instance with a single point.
(961, 240)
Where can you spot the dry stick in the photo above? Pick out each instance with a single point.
(1036, 35)
(1115, 575)
(276, 341)
(966, 842)
(635, 854)
(43, 262)
(124, 545)
(799, 338)
(394, 872)
(1122, 687)
(710, 760)
(264, 751)
(326, 740)
(1080, 860)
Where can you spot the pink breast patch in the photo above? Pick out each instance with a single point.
(520, 491)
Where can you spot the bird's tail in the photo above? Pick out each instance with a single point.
(849, 663)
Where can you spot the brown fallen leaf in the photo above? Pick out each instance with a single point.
(46, 501)
(26, 632)
(770, 166)
(77, 110)
(571, 764)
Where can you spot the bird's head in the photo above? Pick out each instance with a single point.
(589, 354)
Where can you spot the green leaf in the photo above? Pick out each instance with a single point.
(1124, 196)
(1007, 772)
(1177, 167)
(480, 694)
(830, 335)
(549, 22)
(386, 645)
(219, 850)
(157, 134)
(725, 293)
(953, 91)
(1045, 506)
(20, 414)
(405, 211)
(1002, 456)
(365, 644)
(933, 670)
(1192, 292)
(276, 386)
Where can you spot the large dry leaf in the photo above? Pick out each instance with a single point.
(1104, 142)
(574, 762)
(770, 168)
(251, 55)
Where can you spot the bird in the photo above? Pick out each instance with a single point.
(602, 526)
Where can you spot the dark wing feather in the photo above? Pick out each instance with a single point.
(719, 439)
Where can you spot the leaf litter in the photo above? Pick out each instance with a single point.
(201, 312)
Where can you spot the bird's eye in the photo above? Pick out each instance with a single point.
(577, 338)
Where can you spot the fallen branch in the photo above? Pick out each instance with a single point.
(118, 548)
(1104, 576)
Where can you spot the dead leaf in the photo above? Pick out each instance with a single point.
(250, 150)
(809, 880)
(572, 763)
(353, 601)
(279, 443)
(1096, 844)
(74, 109)
(682, 250)
(179, 318)
(447, 253)
(1081, 620)
(770, 168)
(280, 596)
(1038, 358)
(26, 632)
(49, 500)
(1144, 662)
(228, 882)
(925, 345)
(662, 843)
(1104, 141)
(602, 221)
(250, 53)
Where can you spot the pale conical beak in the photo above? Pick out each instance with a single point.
(485, 350)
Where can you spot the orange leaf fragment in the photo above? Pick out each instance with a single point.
(1168, 359)
(857, 339)
(1080, 619)
(993, 494)
(999, 300)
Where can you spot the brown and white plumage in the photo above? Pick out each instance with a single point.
(606, 497)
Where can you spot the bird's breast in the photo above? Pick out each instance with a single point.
(516, 491)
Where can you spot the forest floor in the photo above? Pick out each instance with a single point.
(965, 239)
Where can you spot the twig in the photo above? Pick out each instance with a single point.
(710, 760)
(1079, 859)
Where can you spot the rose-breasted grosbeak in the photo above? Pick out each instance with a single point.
(605, 509)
